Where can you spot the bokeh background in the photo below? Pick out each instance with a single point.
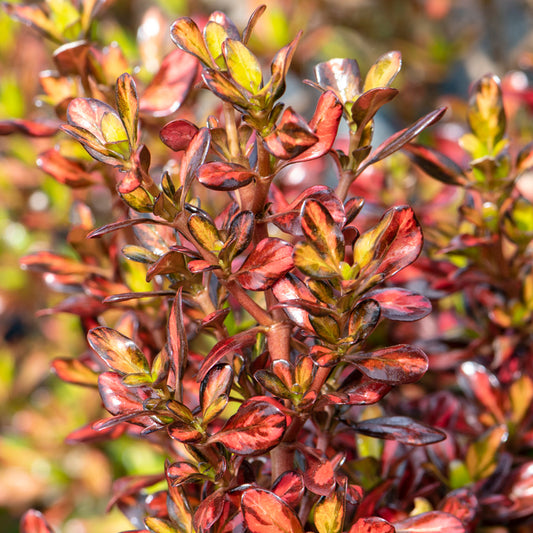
(445, 44)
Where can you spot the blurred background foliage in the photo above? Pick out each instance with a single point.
(445, 44)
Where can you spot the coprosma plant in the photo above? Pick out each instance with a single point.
(248, 358)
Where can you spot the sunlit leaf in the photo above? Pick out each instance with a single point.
(265, 512)
(118, 352)
(289, 487)
(256, 427)
(329, 513)
(372, 525)
(431, 522)
(270, 260)
(215, 386)
(222, 176)
(128, 106)
(393, 365)
(171, 85)
(340, 76)
(242, 65)
(189, 38)
(401, 304)
(383, 71)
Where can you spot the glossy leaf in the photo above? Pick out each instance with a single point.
(291, 137)
(225, 89)
(340, 76)
(313, 263)
(402, 137)
(209, 511)
(321, 231)
(255, 428)
(242, 65)
(363, 319)
(392, 244)
(401, 429)
(178, 134)
(329, 513)
(192, 160)
(214, 391)
(240, 235)
(65, 170)
(265, 512)
(401, 304)
(319, 475)
(214, 35)
(189, 38)
(394, 365)
(479, 383)
(369, 103)
(431, 522)
(289, 487)
(227, 347)
(33, 521)
(324, 124)
(372, 525)
(270, 260)
(461, 503)
(177, 341)
(222, 176)
(204, 232)
(158, 525)
(437, 165)
(128, 106)
(171, 85)
(364, 393)
(117, 351)
(383, 71)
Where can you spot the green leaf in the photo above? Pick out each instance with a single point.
(205, 232)
(311, 262)
(329, 513)
(383, 71)
(128, 107)
(117, 351)
(186, 35)
(242, 65)
(482, 455)
(215, 35)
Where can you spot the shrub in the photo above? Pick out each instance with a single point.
(261, 333)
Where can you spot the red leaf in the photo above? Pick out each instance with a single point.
(291, 137)
(319, 475)
(372, 525)
(192, 160)
(33, 521)
(401, 304)
(226, 347)
(209, 510)
(64, 170)
(255, 428)
(177, 343)
(325, 123)
(365, 393)
(401, 429)
(221, 176)
(437, 165)
(184, 432)
(368, 104)
(121, 224)
(118, 398)
(88, 434)
(117, 351)
(49, 262)
(270, 260)
(432, 522)
(393, 365)
(291, 288)
(391, 245)
(321, 231)
(28, 127)
(402, 137)
(171, 85)
(290, 487)
(265, 512)
(131, 485)
(74, 371)
(240, 235)
(461, 503)
(214, 391)
(178, 134)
